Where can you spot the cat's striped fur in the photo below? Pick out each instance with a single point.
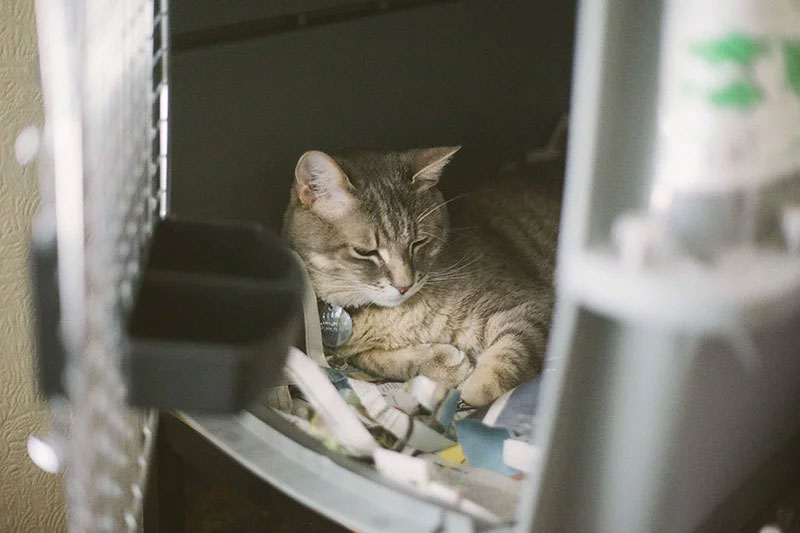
(459, 290)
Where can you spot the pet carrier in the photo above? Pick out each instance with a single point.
(669, 399)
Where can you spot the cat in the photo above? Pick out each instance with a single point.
(467, 306)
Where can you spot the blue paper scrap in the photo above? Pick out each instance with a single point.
(483, 445)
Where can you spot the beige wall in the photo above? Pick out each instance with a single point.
(30, 500)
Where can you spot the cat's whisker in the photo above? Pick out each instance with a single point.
(456, 267)
(453, 269)
(447, 280)
(431, 235)
(448, 267)
(438, 206)
(443, 275)
(342, 286)
(461, 268)
(451, 273)
(330, 276)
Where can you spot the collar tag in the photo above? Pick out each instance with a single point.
(336, 324)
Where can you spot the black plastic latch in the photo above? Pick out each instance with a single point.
(216, 309)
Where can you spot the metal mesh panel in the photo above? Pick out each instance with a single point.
(104, 79)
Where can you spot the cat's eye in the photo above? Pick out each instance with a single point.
(364, 253)
(420, 242)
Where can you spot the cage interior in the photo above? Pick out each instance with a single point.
(255, 85)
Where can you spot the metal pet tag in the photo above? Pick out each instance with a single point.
(336, 325)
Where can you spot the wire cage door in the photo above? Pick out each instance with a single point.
(103, 170)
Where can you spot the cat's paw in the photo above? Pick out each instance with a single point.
(448, 365)
(481, 388)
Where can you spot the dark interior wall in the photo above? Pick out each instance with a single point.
(201, 15)
(490, 75)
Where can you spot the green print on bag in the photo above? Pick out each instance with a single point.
(741, 50)
(735, 47)
(738, 94)
(791, 55)
(738, 49)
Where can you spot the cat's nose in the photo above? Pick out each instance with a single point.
(401, 275)
(403, 290)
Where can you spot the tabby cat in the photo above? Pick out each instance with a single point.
(468, 305)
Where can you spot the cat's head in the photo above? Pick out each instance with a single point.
(368, 224)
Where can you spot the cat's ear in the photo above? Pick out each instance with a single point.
(427, 164)
(322, 185)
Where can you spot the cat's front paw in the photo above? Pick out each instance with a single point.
(481, 388)
(448, 365)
